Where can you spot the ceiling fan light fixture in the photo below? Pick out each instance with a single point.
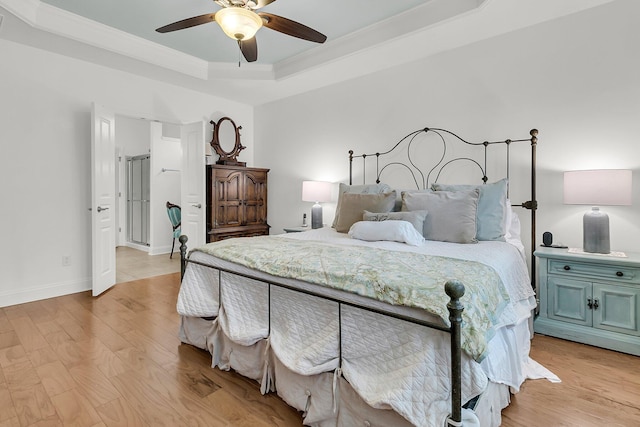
(238, 23)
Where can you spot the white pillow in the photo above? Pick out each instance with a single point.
(512, 233)
(392, 231)
(416, 218)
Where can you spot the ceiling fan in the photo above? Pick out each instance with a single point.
(238, 20)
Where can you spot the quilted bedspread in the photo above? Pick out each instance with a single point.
(399, 278)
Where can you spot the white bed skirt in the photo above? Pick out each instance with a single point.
(325, 399)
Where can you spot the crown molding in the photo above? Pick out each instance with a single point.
(428, 29)
(57, 21)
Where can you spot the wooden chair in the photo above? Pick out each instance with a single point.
(174, 213)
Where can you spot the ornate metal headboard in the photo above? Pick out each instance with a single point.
(422, 181)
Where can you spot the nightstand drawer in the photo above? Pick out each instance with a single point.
(592, 271)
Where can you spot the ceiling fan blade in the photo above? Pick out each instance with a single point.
(249, 49)
(292, 28)
(187, 23)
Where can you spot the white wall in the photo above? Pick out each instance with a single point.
(45, 109)
(576, 79)
(132, 135)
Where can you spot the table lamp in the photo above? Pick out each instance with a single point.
(603, 187)
(317, 192)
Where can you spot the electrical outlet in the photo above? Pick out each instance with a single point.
(66, 260)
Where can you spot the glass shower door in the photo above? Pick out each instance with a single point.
(138, 203)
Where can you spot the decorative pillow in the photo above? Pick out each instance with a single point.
(512, 225)
(452, 214)
(359, 189)
(492, 207)
(512, 233)
(416, 218)
(353, 206)
(392, 231)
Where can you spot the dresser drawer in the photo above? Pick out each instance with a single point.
(595, 271)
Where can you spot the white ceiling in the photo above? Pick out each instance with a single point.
(363, 36)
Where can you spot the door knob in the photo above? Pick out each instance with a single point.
(197, 206)
(100, 209)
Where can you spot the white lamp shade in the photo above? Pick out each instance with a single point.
(238, 23)
(603, 187)
(316, 191)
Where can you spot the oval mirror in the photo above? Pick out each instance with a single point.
(226, 141)
(227, 135)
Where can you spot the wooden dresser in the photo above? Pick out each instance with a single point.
(236, 202)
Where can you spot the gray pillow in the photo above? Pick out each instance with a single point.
(416, 218)
(359, 189)
(452, 214)
(492, 207)
(353, 206)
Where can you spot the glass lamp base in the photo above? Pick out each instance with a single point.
(595, 225)
(316, 216)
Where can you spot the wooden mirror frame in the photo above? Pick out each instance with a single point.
(227, 158)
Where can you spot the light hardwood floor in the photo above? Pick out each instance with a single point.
(116, 360)
(132, 264)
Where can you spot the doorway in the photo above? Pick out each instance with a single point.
(107, 168)
(148, 160)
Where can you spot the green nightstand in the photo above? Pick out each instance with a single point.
(590, 298)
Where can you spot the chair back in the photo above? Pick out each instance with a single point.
(174, 213)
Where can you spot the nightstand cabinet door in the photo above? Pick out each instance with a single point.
(617, 308)
(569, 299)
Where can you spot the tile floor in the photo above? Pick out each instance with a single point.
(133, 264)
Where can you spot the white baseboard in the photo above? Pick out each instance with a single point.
(44, 291)
(137, 246)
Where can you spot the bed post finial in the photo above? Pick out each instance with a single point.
(455, 290)
(183, 254)
(534, 136)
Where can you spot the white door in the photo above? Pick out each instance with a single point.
(103, 196)
(193, 183)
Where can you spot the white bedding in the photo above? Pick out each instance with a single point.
(390, 363)
(196, 298)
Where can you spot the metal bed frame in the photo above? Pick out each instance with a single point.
(444, 162)
(453, 288)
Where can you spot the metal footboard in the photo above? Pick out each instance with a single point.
(453, 288)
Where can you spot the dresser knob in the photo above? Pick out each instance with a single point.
(566, 267)
(619, 273)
